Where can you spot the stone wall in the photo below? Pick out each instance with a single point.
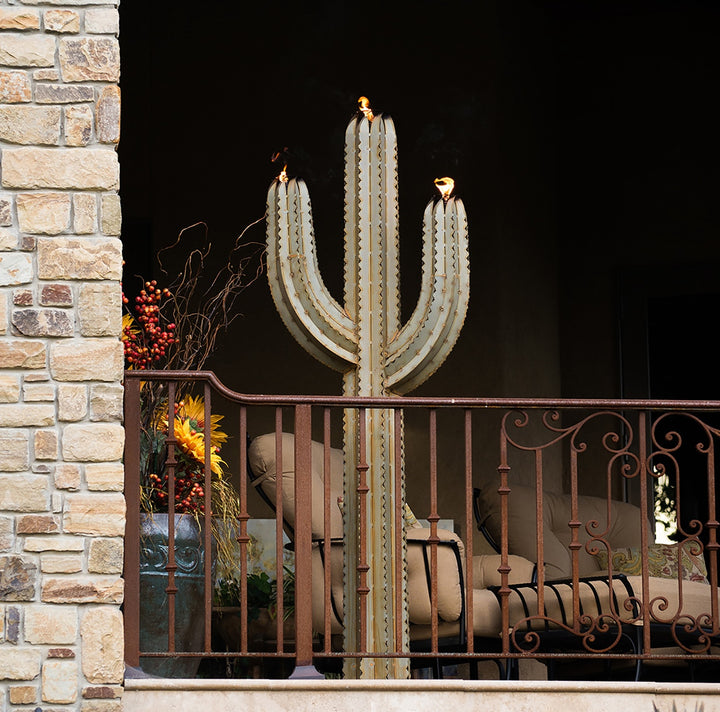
(62, 510)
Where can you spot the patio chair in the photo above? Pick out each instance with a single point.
(450, 558)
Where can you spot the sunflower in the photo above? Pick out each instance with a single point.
(192, 408)
(192, 443)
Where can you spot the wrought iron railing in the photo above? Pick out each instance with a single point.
(591, 597)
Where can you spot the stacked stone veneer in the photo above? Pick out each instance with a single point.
(62, 510)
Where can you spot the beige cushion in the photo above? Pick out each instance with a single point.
(449, 590)
(486, 574)
(448, 576)
(261, 454)
(558, 600)
(623, 529)
(696, 598)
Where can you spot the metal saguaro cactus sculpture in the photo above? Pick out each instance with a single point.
(365, 341)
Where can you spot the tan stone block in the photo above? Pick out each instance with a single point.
(23, 694)
(38, 392)
(106, 403)
(101, 706)
(51, 625)
(9, 389)
(62, 21)
(101, 632)
(67, 476)
(19, 19)
(57, 542)
(27, 50)
(19, 663)
(37, 524)
(24, 493)
(83, 589)
(26, 415)
(15, 268)
(78, 125)
(14, 450)
(111, 214)
(59, 564)
(100, 309)
(79, 168)
(7, 543)
(90, 59)
(22, 354)
(8, 240)
(85, 213)
(43, 213)
(87, 360)
(105, 556)
(46, 75)
(36, 377)
(72, 401)
(105, 476)
(59, 681)
(15, 87)
(107, 115)
(79, 258)
(102, 21)
(46, 445)
(93, 442)
(96, 514)
(30, 124)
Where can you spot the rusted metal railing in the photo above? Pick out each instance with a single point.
(616, 449)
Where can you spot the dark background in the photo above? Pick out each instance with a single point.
(580, 135)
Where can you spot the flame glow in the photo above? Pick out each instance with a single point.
(364, 106)
(445, 186)
(283, 176)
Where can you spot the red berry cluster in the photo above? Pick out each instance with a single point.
(144, 349)
(189, 492)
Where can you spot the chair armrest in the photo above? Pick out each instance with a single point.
(450, 586)
(485, 570)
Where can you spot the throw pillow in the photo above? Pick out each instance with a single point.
(662, 561)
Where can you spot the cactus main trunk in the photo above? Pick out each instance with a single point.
(378, 357)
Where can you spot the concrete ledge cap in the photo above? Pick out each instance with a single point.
(514, 686)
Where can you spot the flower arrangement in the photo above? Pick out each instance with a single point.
(176, 327)
(189, 427)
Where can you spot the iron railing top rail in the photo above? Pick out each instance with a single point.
(424, 401)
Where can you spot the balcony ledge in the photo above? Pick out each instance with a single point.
(149, 695)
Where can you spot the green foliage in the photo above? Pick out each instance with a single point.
(261, 593)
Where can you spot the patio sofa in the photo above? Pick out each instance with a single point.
(600, 595)
(676, 605)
